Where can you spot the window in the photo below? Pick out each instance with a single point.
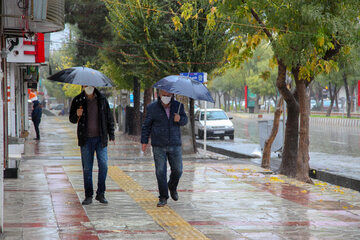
(214, 115)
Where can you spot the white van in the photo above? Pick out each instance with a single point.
(218, 124)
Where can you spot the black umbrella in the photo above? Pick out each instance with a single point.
(82, 76)
(184, 86)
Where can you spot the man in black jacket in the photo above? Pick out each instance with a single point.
(162, 122)
(91, 111)
(36, 117)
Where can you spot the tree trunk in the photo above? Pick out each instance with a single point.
(256, 109)
(348, 101)
(290, 148)
(225, 101)
(352, 98)
(321, 100)
(147, 99)
(137, 122)
(265, 163)
(235, 101)
(302, 165)
(192, 122)
(337, 101)
(219, 99)
(331, 99)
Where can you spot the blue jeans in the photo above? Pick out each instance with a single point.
(87, 157)
(173, 154)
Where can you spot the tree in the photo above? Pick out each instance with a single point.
(305, 36)
(151, 44)
(92, 31)
(254, 72)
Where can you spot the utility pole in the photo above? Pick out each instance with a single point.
(2, 159)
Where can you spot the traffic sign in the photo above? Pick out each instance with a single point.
(197, 76)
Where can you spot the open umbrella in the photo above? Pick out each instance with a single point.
(82, 76)
(184, 86)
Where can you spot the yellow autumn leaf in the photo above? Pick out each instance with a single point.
(321, 41)
(176, 20)
(276, 179)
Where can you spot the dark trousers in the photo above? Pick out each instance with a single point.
(92, 145)
(36, 125)
(172, 154)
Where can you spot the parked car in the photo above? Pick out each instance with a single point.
(218, 124)
(59, 106)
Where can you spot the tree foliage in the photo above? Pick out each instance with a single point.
(305, 36)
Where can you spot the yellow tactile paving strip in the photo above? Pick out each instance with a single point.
(167, 218)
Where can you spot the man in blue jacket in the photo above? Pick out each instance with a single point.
(162, 123)
(36, 117)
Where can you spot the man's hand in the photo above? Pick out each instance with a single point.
(143, 147)
(79, 112)
(176, 117)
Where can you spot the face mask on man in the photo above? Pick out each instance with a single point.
(89, 90)
(165, 99)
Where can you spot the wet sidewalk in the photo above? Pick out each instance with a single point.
(220, 198)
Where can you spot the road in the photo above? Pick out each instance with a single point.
(323, 139)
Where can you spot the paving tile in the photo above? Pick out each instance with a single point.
(221, 199)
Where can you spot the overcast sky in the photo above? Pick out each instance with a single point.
(58, 38)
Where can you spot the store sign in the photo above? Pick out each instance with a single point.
(21, 50)
(197, 76)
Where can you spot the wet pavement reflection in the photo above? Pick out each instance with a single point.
(220, 198)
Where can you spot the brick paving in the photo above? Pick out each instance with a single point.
(220, 198)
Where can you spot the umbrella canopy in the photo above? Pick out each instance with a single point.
(184, 86)
(82, 76)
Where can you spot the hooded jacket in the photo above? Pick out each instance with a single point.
(106, 120)
(36, 112)
(163, 130)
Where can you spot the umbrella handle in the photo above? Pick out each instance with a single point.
(80, 116)
(179, 109)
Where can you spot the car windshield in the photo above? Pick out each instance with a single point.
(214, 115)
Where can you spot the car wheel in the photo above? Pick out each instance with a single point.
(222, 137)
(231, 137)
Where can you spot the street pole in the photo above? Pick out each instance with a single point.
(1, 160)
(205, 129)
(205, 115)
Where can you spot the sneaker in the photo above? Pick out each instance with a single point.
(174, 195)
(87, 201)
(101, 198)
(162, 202)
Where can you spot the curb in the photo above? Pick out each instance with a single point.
(339, 180)
(224, 151)
(321, 175)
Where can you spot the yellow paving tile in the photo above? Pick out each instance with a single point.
(167, 218)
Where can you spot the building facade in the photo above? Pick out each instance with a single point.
(23, 38)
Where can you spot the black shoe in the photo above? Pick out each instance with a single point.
(87, 201)
(101, 198)
(174, 195)
(162, 202)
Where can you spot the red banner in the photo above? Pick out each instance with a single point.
(358, 93)
(246, 95)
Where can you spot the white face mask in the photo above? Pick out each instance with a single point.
(165, 99)
(89, 90)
